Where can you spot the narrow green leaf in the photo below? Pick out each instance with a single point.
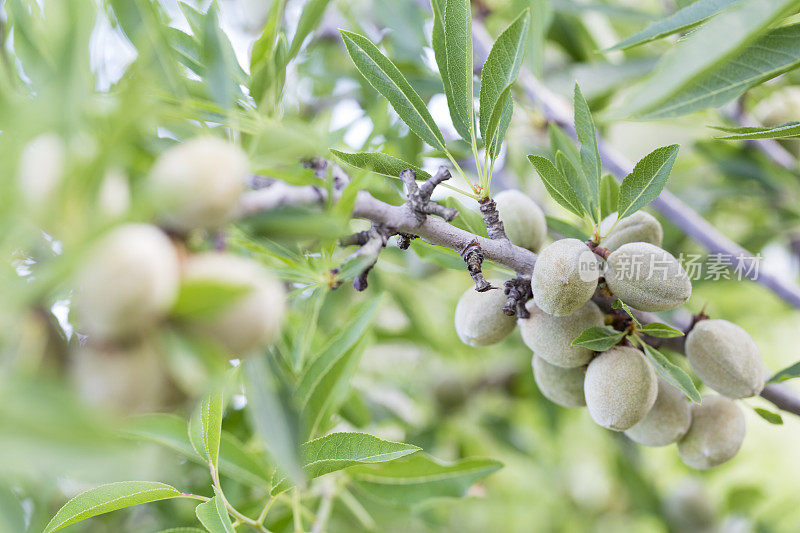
(769, 416)
(183, 530)
(440, 53)
(107, 498)
(590, 154)
(609, 195)
(672, 373)
(419, 477)
(645, 182)
(657, 329)
(309, 19)
(274, 417)
(499, 73)
(560, 141)
(458, 47)
(171, 431)
(205, 298)
(599, 339)
(380, 163)
(340, 450)
(499, 121)
(566, 229)
(214, 516)
(619, 304)
(681, 20)
(790, 372)
(772, 54)
(211, 410)
(576, 180)
(385, 77)
(12, 516)
(557, 185)
(716, 42)
(790, 130)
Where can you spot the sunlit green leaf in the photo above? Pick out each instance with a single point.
(458, 46)
(790, 130)
(384, 76)
(672, 373)
(556, 184)
(214, 516)
(107, 498)
(646, 180)
(380, 163)
(599, 339)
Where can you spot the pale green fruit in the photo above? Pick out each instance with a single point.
(197, 184)
(620, 388)
(688, 508)
(522, 218)
(550, 337)
(563, 386)
(647, 278)
(726, 358)
(127, 283)
(252, 320)
(41, 168)
(716, 433)
(128, 380)
(639, 227)
(564, 277)
(666, 422)
(480, 320)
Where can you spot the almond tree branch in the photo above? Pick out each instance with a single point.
(779, 395)
(673, 208)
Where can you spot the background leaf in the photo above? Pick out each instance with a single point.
(419, 477)
(683, 19)
(769, 416)
(609, 195)
(718, 40)
(309, 19)
(205, 298)
(340, 450)
(789, 372)
(790, 130)
(107, 498)
(772, 54)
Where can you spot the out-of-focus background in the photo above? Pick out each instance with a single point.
(92, 91)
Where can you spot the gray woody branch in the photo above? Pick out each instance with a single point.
(675, 210)
(434, 230)
(779, 395)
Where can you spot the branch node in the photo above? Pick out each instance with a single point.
(519, 292)
(404, 240)
(491, 217)
(598, 250)
(419, 197)
(473, 257)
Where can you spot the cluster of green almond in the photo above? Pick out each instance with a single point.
(619, 385)
(139, 275)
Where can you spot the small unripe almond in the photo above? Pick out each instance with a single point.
(550, 337)
(41, 168)
(666, 422)
(253, 320)
(620, 388)
(726, 358)
(564, 277)
(128, 380)
(127, 283)
(480, 320)
(639, 227)
(716, 433)
(197, 184)
(647, 278)
(563, 386)
(522, 218)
